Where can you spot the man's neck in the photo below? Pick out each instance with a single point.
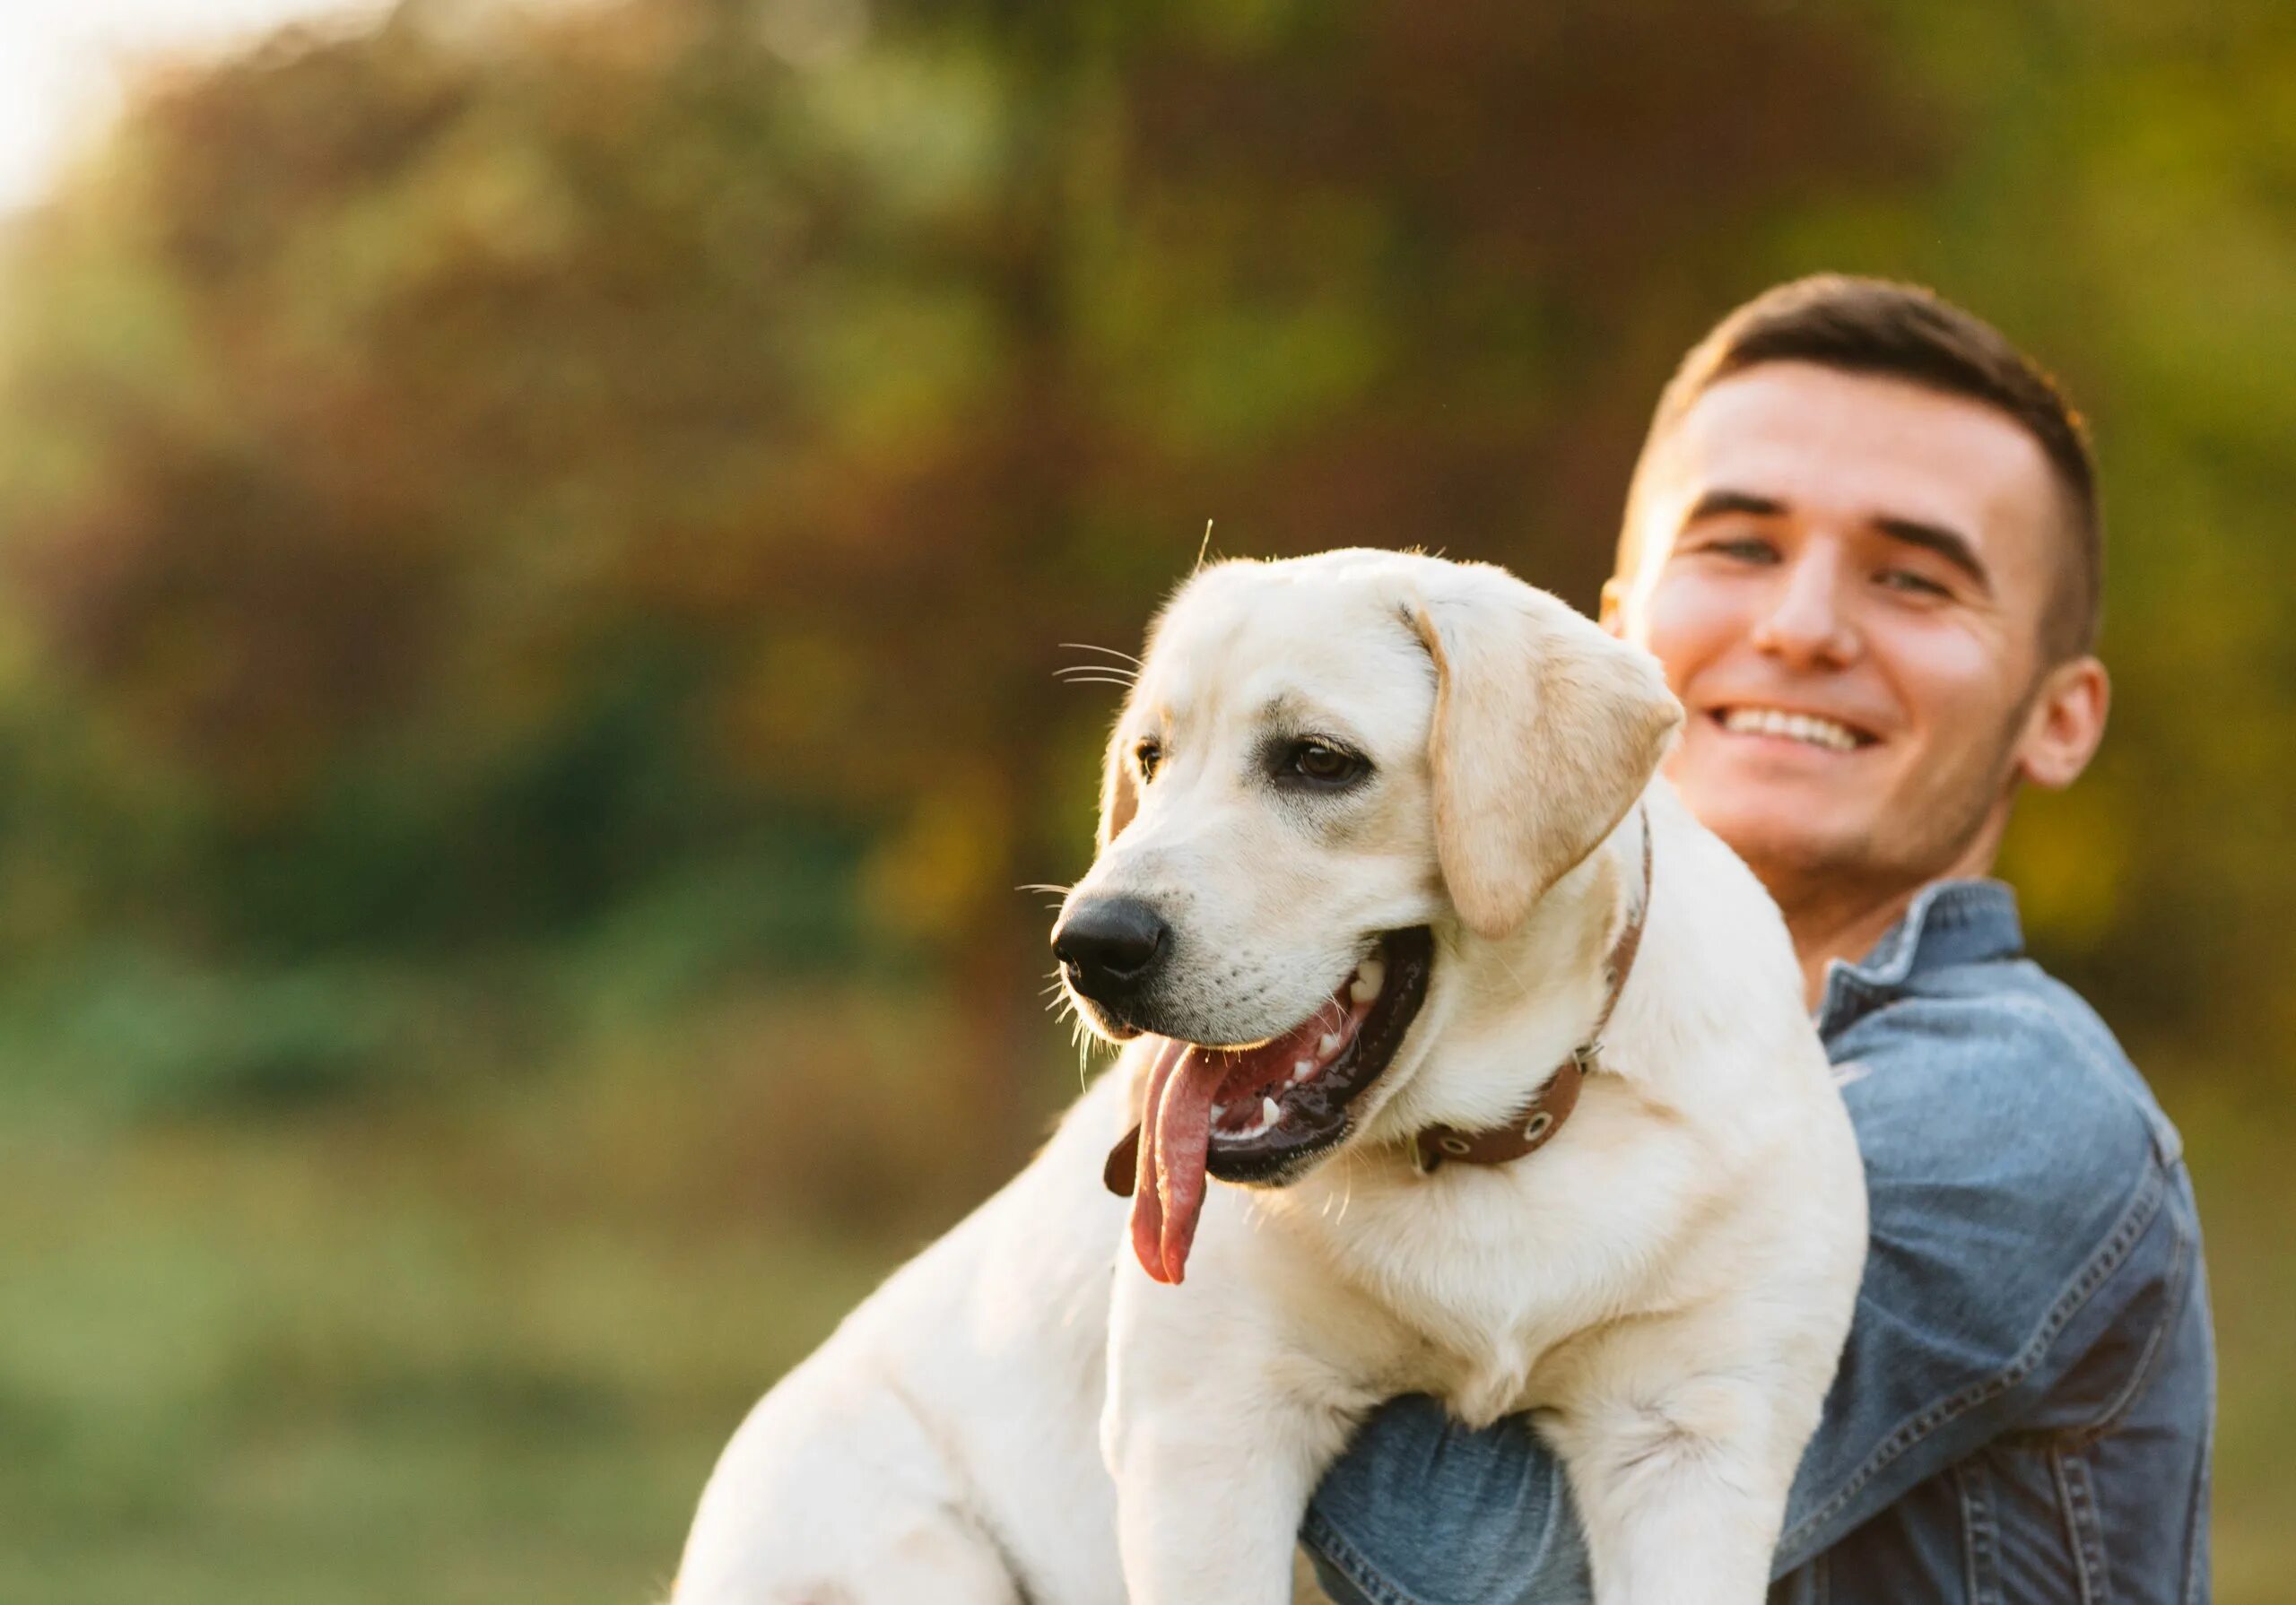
(1840, 909)
(1821, 935)
(1831, 916)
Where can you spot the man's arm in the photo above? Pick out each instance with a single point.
(2018, 1195)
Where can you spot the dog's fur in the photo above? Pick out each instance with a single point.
(1022, 1414)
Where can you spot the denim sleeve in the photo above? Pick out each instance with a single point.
(2018, 1196)
(2017, 1193)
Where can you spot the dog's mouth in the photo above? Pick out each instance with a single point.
(1261, 1115)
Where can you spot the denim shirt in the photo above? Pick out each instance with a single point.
(2024, 1407)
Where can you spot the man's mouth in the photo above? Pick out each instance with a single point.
(1813, 730)
(1259, 1114)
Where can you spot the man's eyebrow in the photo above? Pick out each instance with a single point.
(1951, 545)
(1715, 504)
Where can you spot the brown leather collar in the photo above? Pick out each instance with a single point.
(1534, 1125)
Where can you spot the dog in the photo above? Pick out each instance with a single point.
(1502, 1063)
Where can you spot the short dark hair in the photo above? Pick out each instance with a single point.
(1904, 331)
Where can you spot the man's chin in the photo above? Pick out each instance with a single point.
(1787, 839)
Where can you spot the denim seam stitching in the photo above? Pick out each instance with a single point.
(2079, 1505)
(1970, 1540)
(2155, 1347)
(1981, 1569)
(1336, 1547)
(2076, 1293)
(2195, 1521)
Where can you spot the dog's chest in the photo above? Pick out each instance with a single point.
(1480, 1348)
(1472, 1308)
(1490, 1279)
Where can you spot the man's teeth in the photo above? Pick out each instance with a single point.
(1800, 727)
(1369, 976)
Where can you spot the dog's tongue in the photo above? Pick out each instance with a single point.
(1175, 1134)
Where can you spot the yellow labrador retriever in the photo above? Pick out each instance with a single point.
(1502, 1062)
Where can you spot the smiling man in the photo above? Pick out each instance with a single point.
(1863, 541)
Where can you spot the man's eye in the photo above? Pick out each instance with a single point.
(1320, 763)
(1911, 583)
(1744, 549)
(1147, 755)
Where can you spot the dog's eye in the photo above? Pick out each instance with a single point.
(1147, 755)
(1320, 763)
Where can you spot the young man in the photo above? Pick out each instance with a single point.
(1863, 540)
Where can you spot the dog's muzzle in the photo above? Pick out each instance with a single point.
(1110, 950)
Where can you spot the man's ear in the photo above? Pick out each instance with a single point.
(1612, 617)
(1546, 730)
(2066, 722)
(1120, 797)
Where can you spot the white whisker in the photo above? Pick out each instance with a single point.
(1512, 973)
(1112, 652)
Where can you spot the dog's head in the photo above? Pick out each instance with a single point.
(1323, 763)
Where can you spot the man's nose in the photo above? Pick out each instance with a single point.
(1806, 624)
(1109, 946)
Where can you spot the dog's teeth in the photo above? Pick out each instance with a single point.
(1369, 976)
(1303, 1070)
(1329, 1044)
(1268, 1112)
(1217, 1111)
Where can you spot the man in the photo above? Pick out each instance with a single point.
(1863, 540)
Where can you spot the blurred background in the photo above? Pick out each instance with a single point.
(534, 543)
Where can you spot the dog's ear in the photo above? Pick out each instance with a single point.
(1546, 730)
(1119, 797)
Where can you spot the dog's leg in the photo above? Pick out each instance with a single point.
(1680, 1491)
(1203, 1518)
(1216, 1433)
(1206, 1514)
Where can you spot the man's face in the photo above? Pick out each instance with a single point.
(1845, 577)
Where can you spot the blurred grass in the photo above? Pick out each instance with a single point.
(485, 1350)
(488, 1351)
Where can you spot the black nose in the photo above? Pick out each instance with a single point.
(1108, 945)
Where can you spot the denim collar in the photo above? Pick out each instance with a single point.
(1949, 923)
